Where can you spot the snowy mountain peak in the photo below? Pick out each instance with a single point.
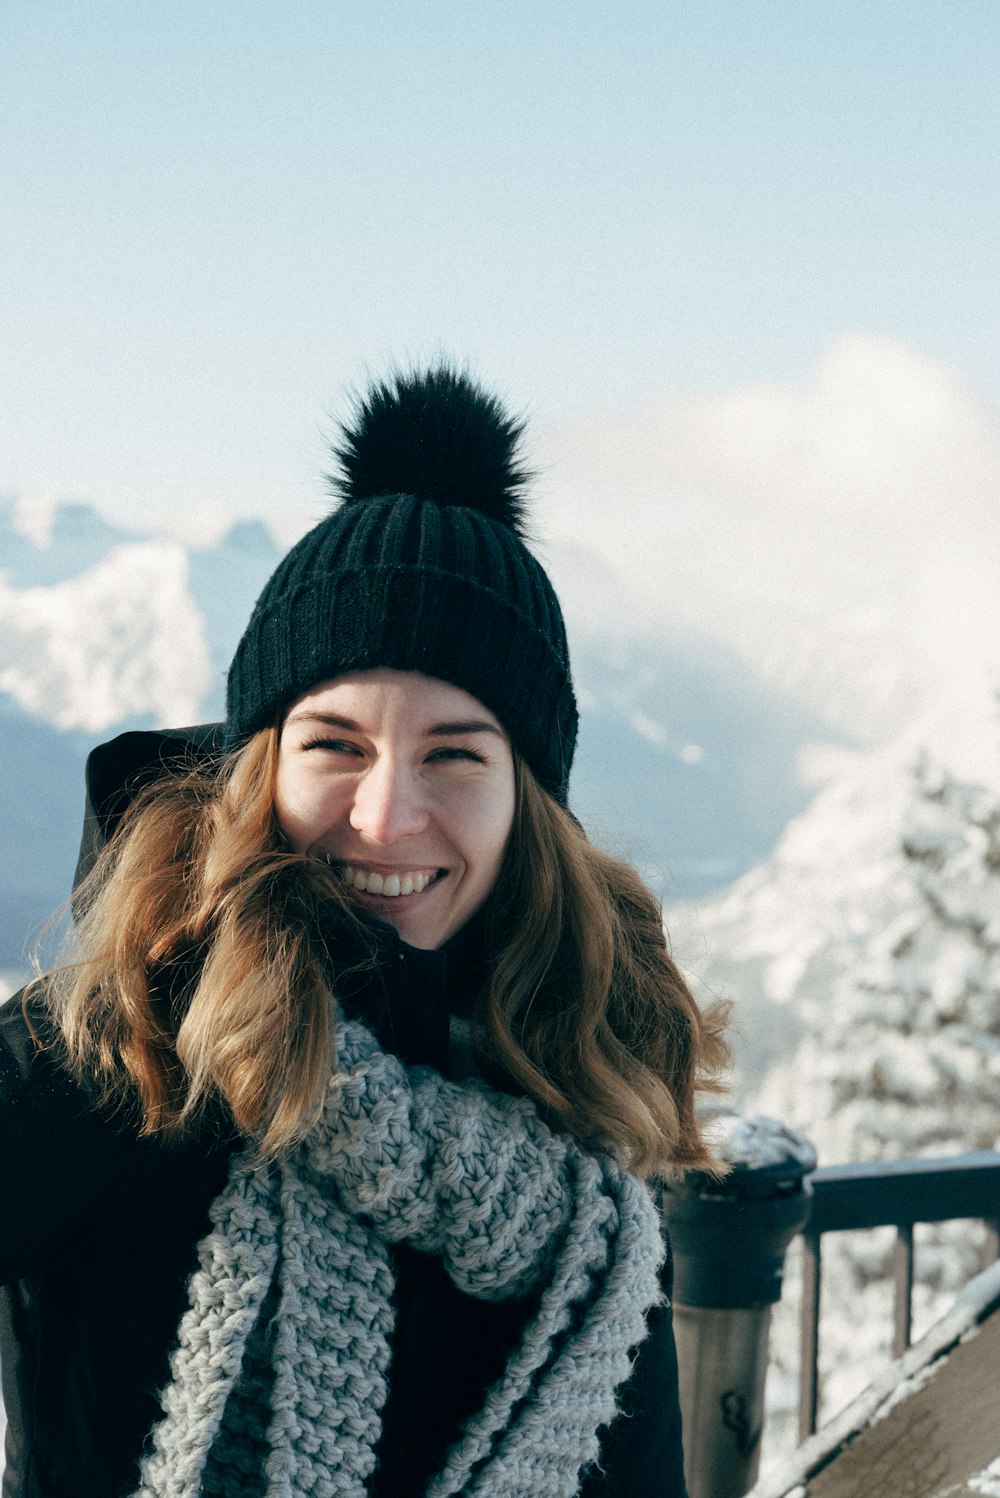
(122, 639)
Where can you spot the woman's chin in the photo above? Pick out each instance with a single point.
(408, 916)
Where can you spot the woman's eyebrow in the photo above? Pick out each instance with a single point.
(469, 725)
(439, 730)
(331, 719)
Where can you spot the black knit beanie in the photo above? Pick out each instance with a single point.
(421, 568)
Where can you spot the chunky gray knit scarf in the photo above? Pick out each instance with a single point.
(279, 1377)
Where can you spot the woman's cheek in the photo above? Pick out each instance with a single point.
(305, 808)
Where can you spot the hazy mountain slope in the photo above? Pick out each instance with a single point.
(224, 581)
(686, 762)
(41, 807)
(45, 544)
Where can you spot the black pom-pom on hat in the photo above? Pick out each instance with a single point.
(439, 436)
(423, 567)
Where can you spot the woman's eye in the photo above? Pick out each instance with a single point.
(335, 746)
(457, 752)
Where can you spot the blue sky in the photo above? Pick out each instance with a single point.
(217, 213)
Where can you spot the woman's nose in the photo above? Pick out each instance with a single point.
(389, 804)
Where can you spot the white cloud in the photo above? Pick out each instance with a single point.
(34, 517)
(648, 729)
(841, 531)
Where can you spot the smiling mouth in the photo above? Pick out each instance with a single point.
(390, 886)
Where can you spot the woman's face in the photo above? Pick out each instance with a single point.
(404, 785)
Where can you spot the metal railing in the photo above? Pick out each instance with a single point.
(730, 1237)
(893, 1193)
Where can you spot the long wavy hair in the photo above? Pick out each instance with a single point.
(203, 977)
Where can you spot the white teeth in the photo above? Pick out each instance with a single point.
(389, 885)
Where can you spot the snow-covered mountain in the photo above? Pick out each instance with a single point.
(686, 762)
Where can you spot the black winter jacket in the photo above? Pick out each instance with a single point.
(99, 1232)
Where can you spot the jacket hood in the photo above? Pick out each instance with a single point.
(118, 770)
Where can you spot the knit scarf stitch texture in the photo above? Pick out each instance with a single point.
(279, 1376)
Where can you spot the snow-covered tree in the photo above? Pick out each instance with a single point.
(901, 1057)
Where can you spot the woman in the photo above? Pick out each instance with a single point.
(321, 1159)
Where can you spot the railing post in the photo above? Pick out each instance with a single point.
(902, 1289)
(729, 1240)
(809, 1334)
